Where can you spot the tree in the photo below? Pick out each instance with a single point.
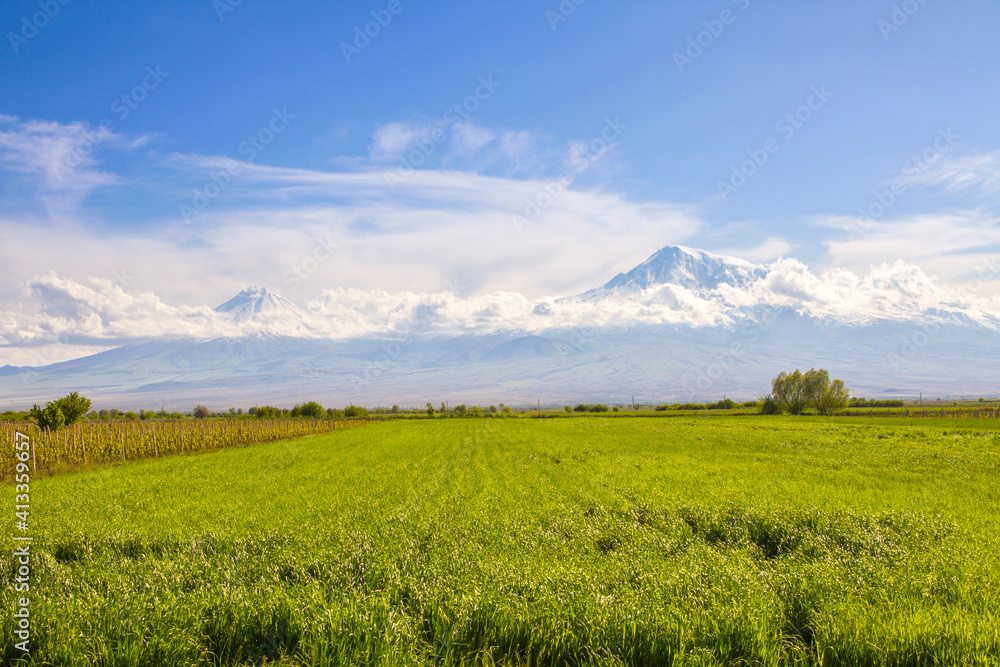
(48, 417)
(430, 410)
(61, 412)
(73, 407)
(815, 383)
(833, 398)
(395, 409)
(460, 410)
(789, 392)
(796, 391)
(355, 411)
(309, 409)
(268, 412)
(568, 409)
(201, 412)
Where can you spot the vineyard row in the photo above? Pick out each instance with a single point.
(99, 442)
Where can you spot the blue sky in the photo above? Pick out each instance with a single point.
(619, 100)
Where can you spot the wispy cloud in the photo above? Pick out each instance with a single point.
(977, 172)
(63, 156)
(392, 140)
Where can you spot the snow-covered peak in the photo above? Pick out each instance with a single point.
(685, 267)
(255, 305)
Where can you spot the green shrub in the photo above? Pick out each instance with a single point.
(595, 407)
(60, 412)
(310, 409)
(48, 417)
(865, 403)
(768, 405)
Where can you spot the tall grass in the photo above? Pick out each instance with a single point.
(770, 541)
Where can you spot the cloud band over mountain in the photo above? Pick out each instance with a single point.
(679, 286)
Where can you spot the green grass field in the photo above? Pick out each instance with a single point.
(682, 541)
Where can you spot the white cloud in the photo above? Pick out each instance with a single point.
(393, 139)
(61, 156)
(67, 311)
(770, 249)
(100, 313)
(469, 138)
(947, 243)
(432, 227)
(978, 171)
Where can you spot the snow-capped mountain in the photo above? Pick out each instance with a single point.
(683, 325)
(258, 312)
(682, 266)
(256, 304)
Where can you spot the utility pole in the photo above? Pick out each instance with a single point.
(539, 406)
